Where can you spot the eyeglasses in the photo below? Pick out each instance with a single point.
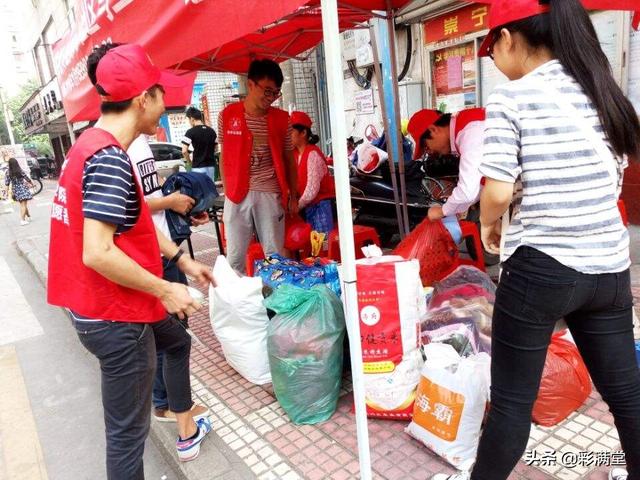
(269, 92)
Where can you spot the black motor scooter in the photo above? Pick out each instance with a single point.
(429, 182)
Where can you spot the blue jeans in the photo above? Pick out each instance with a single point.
(127, 355)
(209, 171)
(534, 292)
(171, 273)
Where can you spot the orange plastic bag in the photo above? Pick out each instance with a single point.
(431, 244)
(565, 386)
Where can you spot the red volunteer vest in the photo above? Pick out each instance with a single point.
(70, 283)
(465, 117)
(327, 186)
(237, 146)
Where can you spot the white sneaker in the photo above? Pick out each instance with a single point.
(618, 474)
(23, 223)
(190, 448)
(455, 476)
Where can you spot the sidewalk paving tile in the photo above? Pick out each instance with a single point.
(251, 423)
(257, 429)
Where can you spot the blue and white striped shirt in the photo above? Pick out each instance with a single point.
(109, 189)
(565, 205)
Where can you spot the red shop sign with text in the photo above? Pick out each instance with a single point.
(457, 24)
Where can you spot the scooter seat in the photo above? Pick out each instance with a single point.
(372, 188)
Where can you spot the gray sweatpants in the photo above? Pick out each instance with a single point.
(259, 212)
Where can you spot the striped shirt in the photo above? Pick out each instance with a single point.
(109, 190)
(565, 204)
(262, 173)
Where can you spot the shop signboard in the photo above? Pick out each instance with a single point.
(33, 116)
(457, 24)
(51, 100)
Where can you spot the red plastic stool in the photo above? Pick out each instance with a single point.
(254, 252)
(223, 236)
(470, 229)
(362, 235)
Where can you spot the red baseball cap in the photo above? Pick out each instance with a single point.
(301, 118)
(418, 124)
(126, 71)
(502, 12)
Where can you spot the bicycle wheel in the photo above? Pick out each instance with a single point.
(437, 190)
(37, 186)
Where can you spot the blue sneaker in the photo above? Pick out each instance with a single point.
(190, 449)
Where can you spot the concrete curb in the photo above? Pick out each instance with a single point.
(216, 461)
(28, 249)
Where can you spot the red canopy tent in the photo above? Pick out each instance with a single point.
(174, 31)
(169, 30)
(280, 41)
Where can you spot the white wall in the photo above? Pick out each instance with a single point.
(356, 124)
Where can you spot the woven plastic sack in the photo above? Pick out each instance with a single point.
(239, 320)
(390, 305)
(450, 403)
(305, 345)
(431, 244)
(565, 386)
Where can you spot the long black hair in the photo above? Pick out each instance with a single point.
(15, 172)
(312, 138)
(567, 31)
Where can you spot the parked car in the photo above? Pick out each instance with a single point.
(168, 158)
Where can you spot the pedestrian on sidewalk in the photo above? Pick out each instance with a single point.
(203, 140)
(20, 185)
(144, 168)
(561, 129)
(257, 166)
(105, 265)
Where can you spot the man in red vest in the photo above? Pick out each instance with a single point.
(257, 166)
(105, 264)
(462, 134)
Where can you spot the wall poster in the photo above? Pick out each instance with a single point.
(454, 77)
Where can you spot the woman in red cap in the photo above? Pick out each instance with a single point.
(315, 185)
(560, 130)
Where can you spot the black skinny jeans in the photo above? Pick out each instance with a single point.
(534, 292)
(127, 355)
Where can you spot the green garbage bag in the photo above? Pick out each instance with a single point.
(305, 341)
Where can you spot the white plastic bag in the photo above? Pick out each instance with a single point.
(450, 403)
(370, 157)
(239, 320)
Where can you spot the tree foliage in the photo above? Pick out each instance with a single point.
(41, 142)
